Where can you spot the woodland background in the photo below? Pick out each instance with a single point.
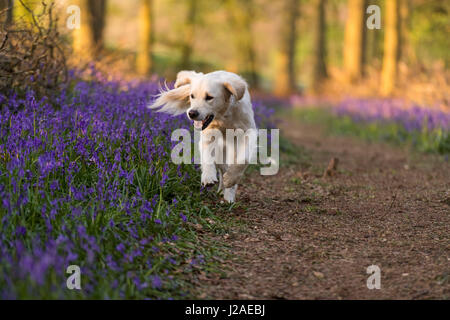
(319, 47)
(86, 176)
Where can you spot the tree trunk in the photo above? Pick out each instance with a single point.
(188, 44)
(240, 16)
(88, 40)
(285, 79)
(98, 9)
(354, 40)
(249, 48)
(364, 39)
(405, 51)
(391, 42)
(144, 56)
(372, 45)
(7, 17)
(319, 71)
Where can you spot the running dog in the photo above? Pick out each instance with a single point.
(218, 100)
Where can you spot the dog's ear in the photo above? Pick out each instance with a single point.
(185, 77)
(175, 101)
(235, 86)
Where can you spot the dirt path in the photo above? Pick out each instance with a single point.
(309, 237)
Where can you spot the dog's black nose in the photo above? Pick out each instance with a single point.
(193, 114)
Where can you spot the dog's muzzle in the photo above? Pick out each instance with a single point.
(202, 125)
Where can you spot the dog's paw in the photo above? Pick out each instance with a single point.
(208, 179)
(229, 180)
(229, 199)
(229, 195)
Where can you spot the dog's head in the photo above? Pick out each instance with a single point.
(204, 97)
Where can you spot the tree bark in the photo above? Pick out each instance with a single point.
(391, 42)
(319, 71)
(88, 40)
(241, 17)
(372, 45)
(285, 79)
(188, 44)
(7, 16)
(354, 40)
(98, 9)
(144, 56)
(405, 51)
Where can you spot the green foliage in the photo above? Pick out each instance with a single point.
(430, 29)
(21, 13)
(433, 141)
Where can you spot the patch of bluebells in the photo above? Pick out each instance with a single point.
(90, 183)
(412, 117)
(428, 129)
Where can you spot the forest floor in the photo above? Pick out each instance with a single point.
(300, 235)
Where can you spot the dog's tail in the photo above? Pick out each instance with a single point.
(172, 101)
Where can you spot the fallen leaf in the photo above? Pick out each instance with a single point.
(286, 237)
(318, 274)
(245, 296)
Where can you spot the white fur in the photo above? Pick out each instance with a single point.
(232, 109)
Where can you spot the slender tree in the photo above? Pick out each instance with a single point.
(354, 40)
(189, 32)
(285, 79)
(241, 16)
(7, 17)
(364, 39)
(319, 49)
(405, 51)
(88, 40)
(372, 40)
(391, 42)
(144, 56)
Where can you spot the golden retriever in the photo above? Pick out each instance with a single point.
(219, 104)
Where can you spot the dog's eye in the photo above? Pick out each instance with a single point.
(192, 96)
(208, 97)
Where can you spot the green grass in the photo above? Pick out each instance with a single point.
(435, 141)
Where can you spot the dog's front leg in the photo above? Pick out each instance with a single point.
(209, 171)
(209, 174)
(233, 174)
(229, 194)
(220, 188)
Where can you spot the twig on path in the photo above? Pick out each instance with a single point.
(390, 205)
(332, 167)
